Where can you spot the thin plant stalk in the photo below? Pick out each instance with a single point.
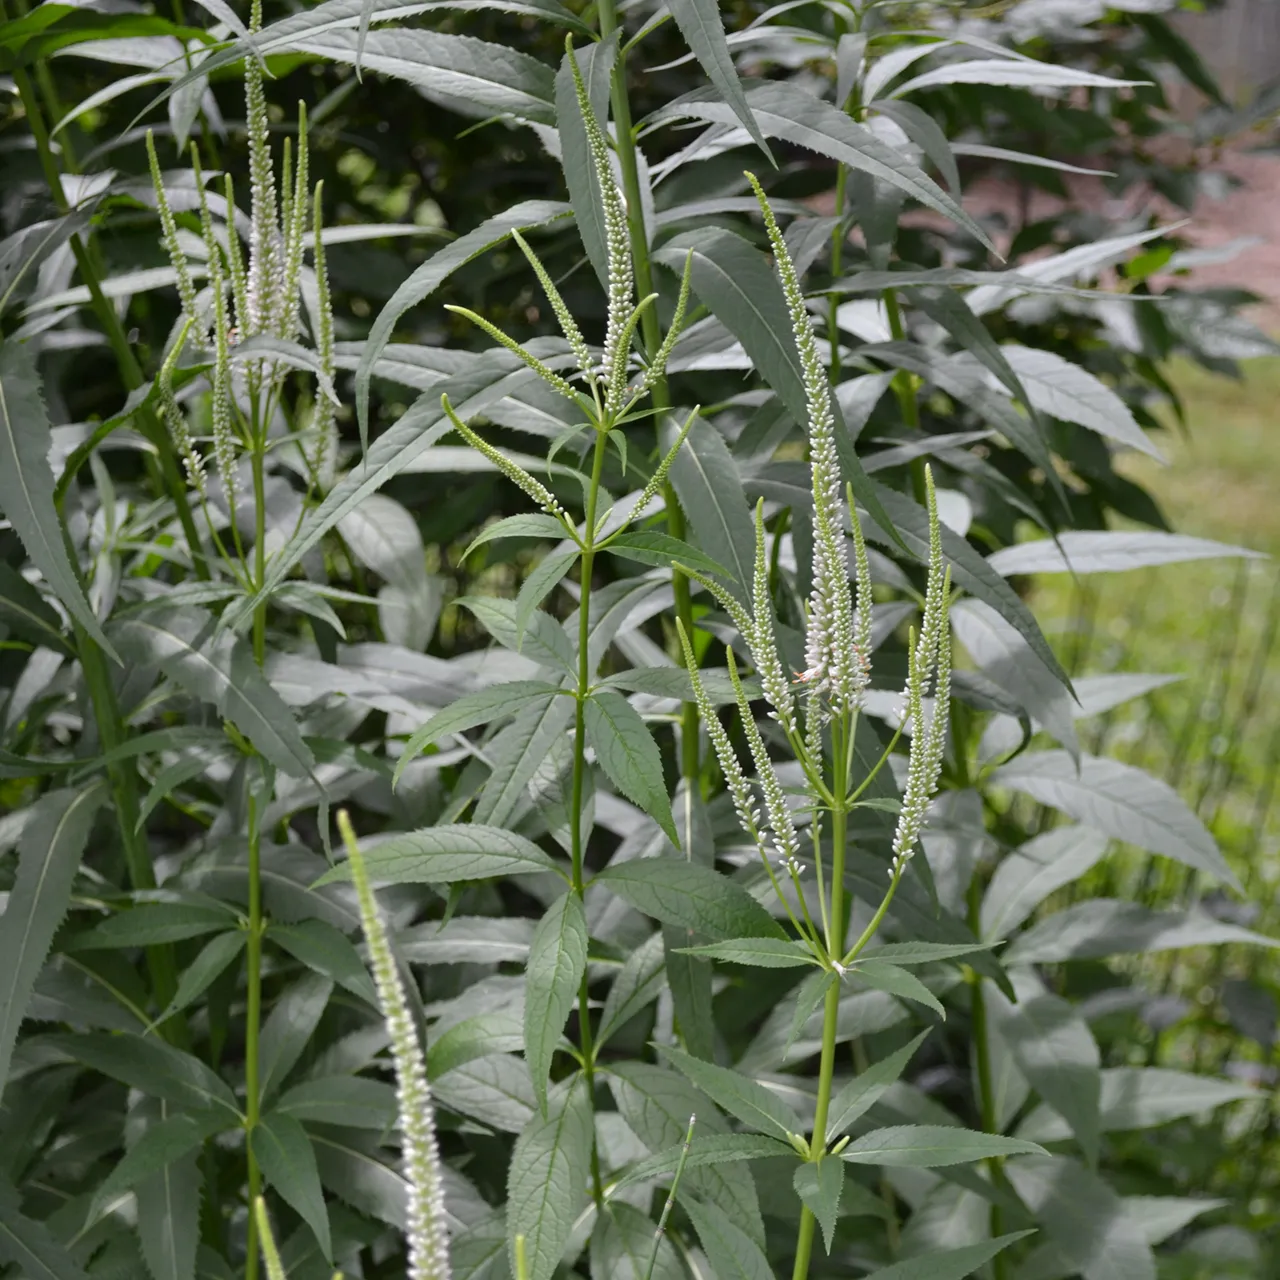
(671, 1198)
(252, 1030)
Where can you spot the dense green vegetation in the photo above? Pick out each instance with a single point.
(528, 749)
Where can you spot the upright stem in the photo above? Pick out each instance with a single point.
(259, 553)
(579, 770)
(253, 1018)
(651, 339)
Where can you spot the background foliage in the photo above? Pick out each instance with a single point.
(146, 965)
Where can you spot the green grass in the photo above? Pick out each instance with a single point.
(1216, 734)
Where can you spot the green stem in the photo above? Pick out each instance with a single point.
(986, 1089)
(253, 1019)
(165, 473)
(579, 771)
(826, 1073)
(259, 552)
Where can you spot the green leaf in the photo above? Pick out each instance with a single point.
(691, 896)
(623, 1243)
(24, 611)
(706, 480)
(923, 952)
(595, 64)
(1084, 1217)
(290, 1026)
(327, 951)
(857, 1097)
(1056, 1052)
(351, 1168)
(1012, 73)
(1141, 1098)
(53, 839)
(542, 638)
(948, 1264)
(737, 1256)
(217, 669)
(752, 1103)
(548, 1177)
(674, 682)
(656, 1104)
(703, 29)
(153, 923)
(897, 981)
(351, 1102)
(474, 709)
(420, 285)
(1099, 551)
(785, 110)
(288, 1163)
(517, 753)
(762, 953)
(1120, 801)
(663, 550)
(557, 961)
(627, 753)
(638, 984)
(448, 854)
(931, 1146)
(715, 1150)
(169, 1218)
(1026, 877)
(541, 581)
(26, 482)
(820, 1187)
(532, 524)
(1056, 386)
(212, 961)
(28, 1244)
(480, 1037)
(161, 1143)
(1110, 927)
(152, 1067)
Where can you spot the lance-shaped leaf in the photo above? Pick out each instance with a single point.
(723, 1148)
(752, 1103)
(547, 1180)
(220, 670)
(26, 482)
(638, 984)
(948, 1264)
(24, 611)
(690, 895)
(1096, 551)
(1025, 878)
(821, 1186)
(288, 1163)
(931, 1146)
(737, 1255)
(29, 1245)
(857, 1097)
(53, 839)
(785, 110)
(1056, 1052)
(448, 854)
(557, 961)
(169, 1218)
(623, 1244)
(1121, 801)
(627, 752)
(760, 953)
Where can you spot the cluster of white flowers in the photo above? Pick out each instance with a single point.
(427, 1232)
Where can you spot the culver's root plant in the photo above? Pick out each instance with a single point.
(610, 486)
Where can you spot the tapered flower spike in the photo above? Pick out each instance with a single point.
(516, 474)
(741, 619)
(270, 1254)
(831, 665)
(617, 239)
(568, 325)
(659, 477)
(928, 655)
(169, 228)
(428, 1236)
(265, 267)
(175, 419)
(658, 366)
(764, 648)
(225, 449)
(782, 827)
(549, 376)
(322, 421)
(294, 220)
(863, 614)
